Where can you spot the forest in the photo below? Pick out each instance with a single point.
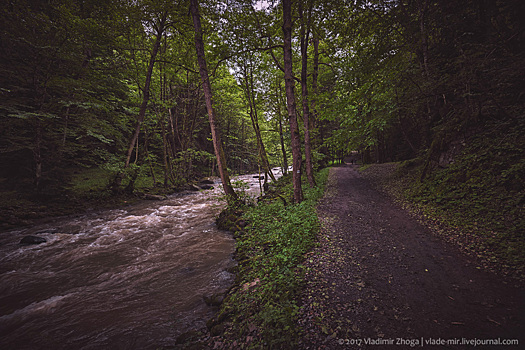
(115, 91)
(104, 103)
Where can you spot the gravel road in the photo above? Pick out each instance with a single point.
(381, 280)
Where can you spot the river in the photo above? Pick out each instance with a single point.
(130, 278)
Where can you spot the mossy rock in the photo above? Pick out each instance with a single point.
(230, 220)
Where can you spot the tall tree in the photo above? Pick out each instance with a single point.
(290, 101)
(305, 35)
(217, 145)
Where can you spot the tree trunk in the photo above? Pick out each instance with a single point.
(115, 185)
(164, 152)
(145, 96)
(250, 95)
(215, 134)
(290, 101)
(37, 154)
(423, 7)
(283, 148)
(281, 133)
(305, 33)
(315, 76)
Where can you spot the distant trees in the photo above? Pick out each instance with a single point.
(114, 85)
(415, 77)
(61, 87)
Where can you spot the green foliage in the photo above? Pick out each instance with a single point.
(482, 193)
(93, 180)
(270, 253)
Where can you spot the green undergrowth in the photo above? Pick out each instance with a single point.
(261, 310)
(477, 201)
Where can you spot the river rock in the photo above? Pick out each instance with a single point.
(214, 300)
(194, 187)
(217, 330)
(32, 240)
(188, 337)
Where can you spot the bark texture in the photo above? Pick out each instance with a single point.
(215, 134)
(305, 35)
(145, 91)
(290, 101)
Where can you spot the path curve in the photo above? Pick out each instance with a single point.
(379, 276)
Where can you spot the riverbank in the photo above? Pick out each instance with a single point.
(338, 285)
(21, 206)
(261, 308)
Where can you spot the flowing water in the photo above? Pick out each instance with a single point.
(132, 278)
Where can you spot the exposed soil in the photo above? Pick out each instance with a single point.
(379, 276)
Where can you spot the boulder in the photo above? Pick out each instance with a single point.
(206, 182)
(206, 187)
(32, 240)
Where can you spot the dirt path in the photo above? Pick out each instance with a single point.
(378, 276)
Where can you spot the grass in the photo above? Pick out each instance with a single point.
(90, 180)
(262, 307)
(95, 181)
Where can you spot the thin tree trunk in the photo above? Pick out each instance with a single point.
(305, 33)
(164, 153)
(315, 76)
(215, 134)
(423, 7)
(290, 101)
(250, 94)
(281, 133)
(283, 148)
(37, 154)
(146, 94)
(146, 151)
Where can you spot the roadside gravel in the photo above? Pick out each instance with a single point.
(381, 279)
